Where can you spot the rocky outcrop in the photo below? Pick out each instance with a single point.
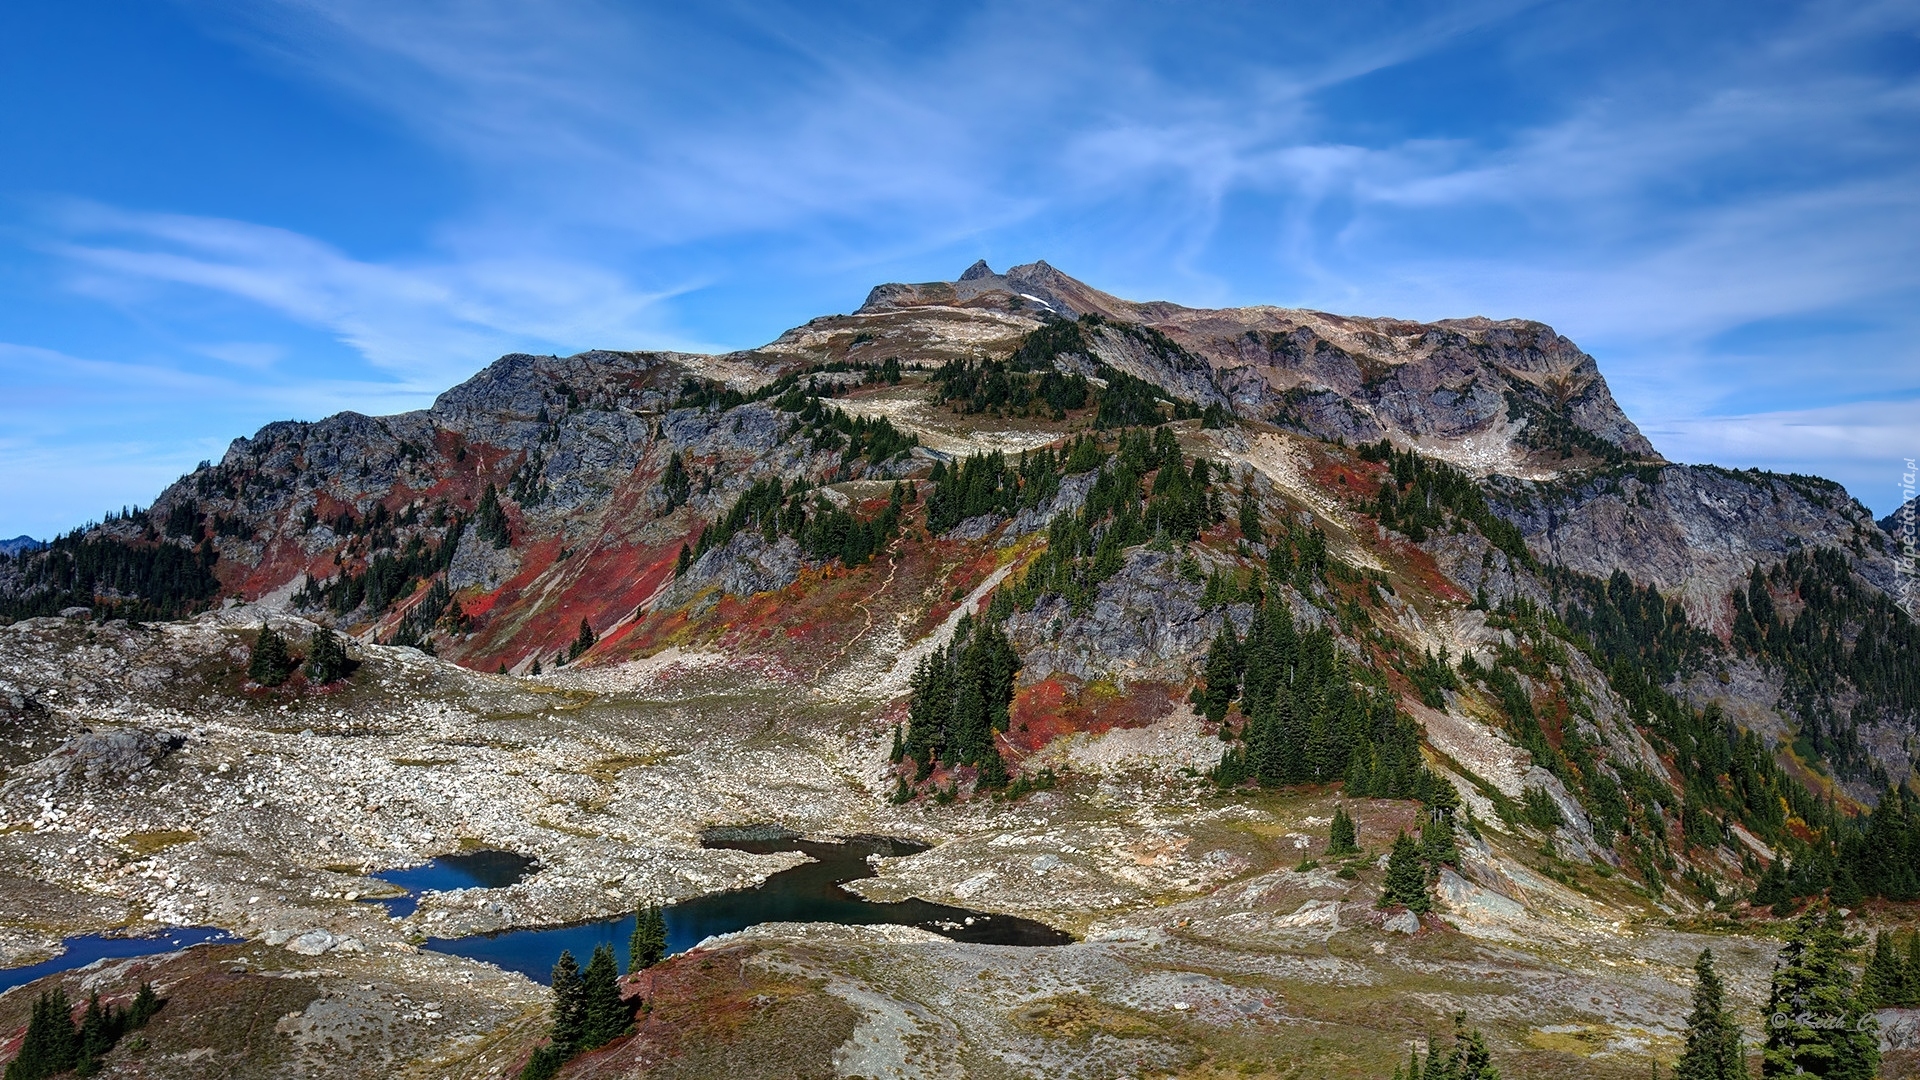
(97, 758)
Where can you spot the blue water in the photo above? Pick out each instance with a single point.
(809, 892)
(472, 870)
(87, 948)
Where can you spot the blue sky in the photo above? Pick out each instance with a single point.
(213, 215)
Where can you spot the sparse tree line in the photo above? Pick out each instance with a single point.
(1818, 1018)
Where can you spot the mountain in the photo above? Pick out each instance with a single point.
(1115, 602)
(19, 544)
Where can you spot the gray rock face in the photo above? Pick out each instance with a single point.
(1692, 531)
(477, 562)
(743, 566)
(97, 758)
(1146, 623)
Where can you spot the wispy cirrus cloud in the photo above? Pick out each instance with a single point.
(423, 320)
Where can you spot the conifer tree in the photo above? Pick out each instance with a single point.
(1344, 835)
(605, 1015)
(145, 1004)
(1882, 985)
(490, 520)
(270, 664)
(1910, 992)
(1816, 1023)
(648, 945)
(684, 563)
(569, 1004)
(51, 1045)
(1467, 1059)
(1250, 515)
(1713, 1039)
(1222, 673)
(1406, 884)
(583, 641)
(326, 658)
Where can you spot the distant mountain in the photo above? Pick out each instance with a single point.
(19, 544)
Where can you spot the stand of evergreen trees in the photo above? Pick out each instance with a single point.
(1420, 495)
(117, 578)
(1304, 721)
(271, 661)
(822, 530)
(588, 1012)
(1001, 388)
(54, 1044)
(390, 576)
(1892, 976)
(960, 700)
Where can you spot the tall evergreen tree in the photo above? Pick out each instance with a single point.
(1344, 836)
(1816, 1023)
(569, 1004)
(606, 1015)
(1713, 1039)
(1883, 984)
(271, 663)
(648, 945)
(1222, 673)
(326, 658)
(51, 1045)
(583, 641)
(1406, 884)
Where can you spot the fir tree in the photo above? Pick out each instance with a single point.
(569, 1004)
(271, 664)
(1910, 994)
(1713, 1039)
(648, 945)
(1344, 836)
(1250, 515)
(145, 1004)
(544, 1064)
(1222, 673)
(583, 641)
(1406, 884)
(51, 1045)
(490, 520)
(675, 483)
(684, 563)
(1816, 1023)
(1883, 984)
(605, 1015)
(326, 658)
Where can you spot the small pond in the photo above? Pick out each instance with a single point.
(809, 892)
(485, 869)
(87, 948)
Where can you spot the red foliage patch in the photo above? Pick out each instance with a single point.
(1057, 706)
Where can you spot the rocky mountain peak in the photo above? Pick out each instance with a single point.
(978, 270)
